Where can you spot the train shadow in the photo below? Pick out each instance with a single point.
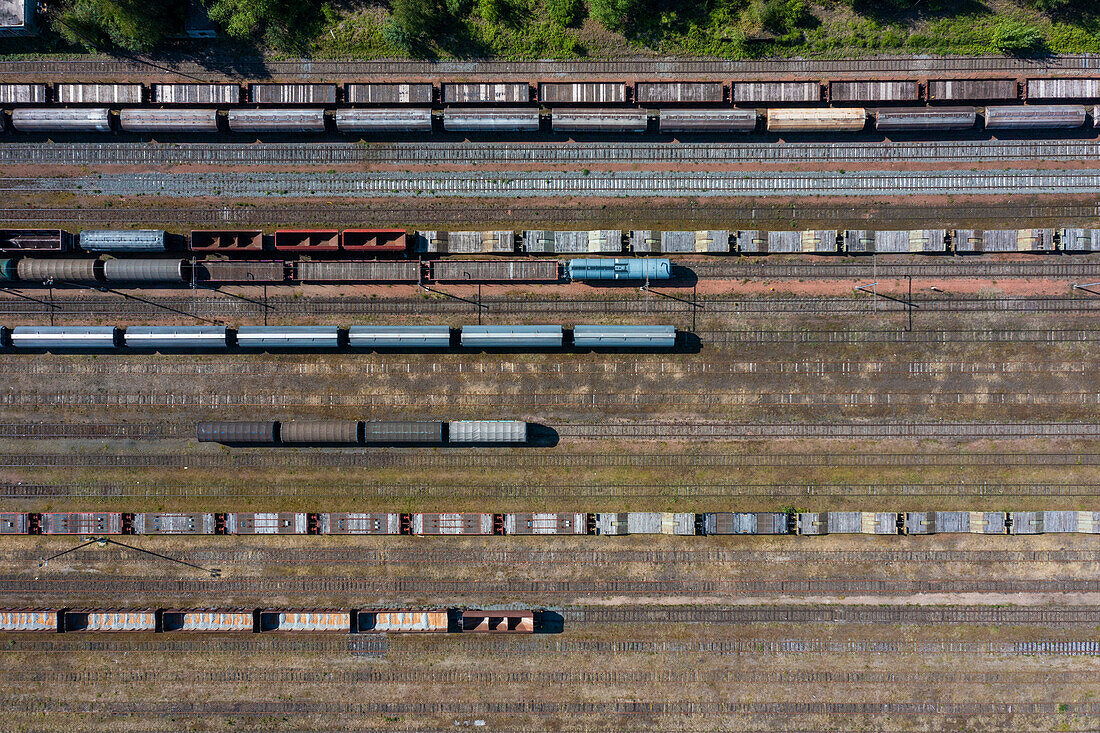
(550, 622)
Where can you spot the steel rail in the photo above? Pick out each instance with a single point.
(513, 460)
(223, 67)
(745, 646)
(52, 587)
(545, 403)
(534, 184)
(625, 214)
(581, 489)
(544, 153)
(696, 430)
(496, 306)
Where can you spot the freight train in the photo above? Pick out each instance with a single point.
(602, 106)
(274, 621)
(356, 432)
(560, 523)
(153, 257)
(299, 338)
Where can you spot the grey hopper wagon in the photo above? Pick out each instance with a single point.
(64, 337)
(236, 432)
(147, 271)
(490, 120)
(600, 120)
(288, 337)
(32, 119)
(319, 431)
(123, 240)
(277, 120)
(196, 94)
(384, 120)
(617, 337)
(399, 337)
(926, 118)
(582, 93)
(168, 120)
(487, 431)
(679, 92)
(403, 431)
(708, 120)
(1034, 116)
(33, 270)
(176, 337)
(511, 337)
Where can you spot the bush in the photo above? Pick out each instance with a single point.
(460, 8)
(777, 16)
(135, 25)
(1016, 37)
(417, 19)
(566, 13)
(615, 15)
(283, 24)
(493, 12)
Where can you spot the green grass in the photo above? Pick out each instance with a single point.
(734, 29)
(723, 31)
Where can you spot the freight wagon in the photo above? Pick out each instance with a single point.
(809, 524)
(270, 621)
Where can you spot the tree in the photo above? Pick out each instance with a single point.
(135, 25)
(616, 15)
(417, 19)
(1016, 37)
(284, 24)
(566, 13)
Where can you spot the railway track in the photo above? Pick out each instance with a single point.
(282, 306)
(664, 430)
(773, 710)
(741, 648)
(53, 588)
(569, 184)
(640, 366)
(532, 460)
(593, 677)
(551, 403)
(510, 491)
(216, 67)
(624, 214)
(570, 554)
(544, 153)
